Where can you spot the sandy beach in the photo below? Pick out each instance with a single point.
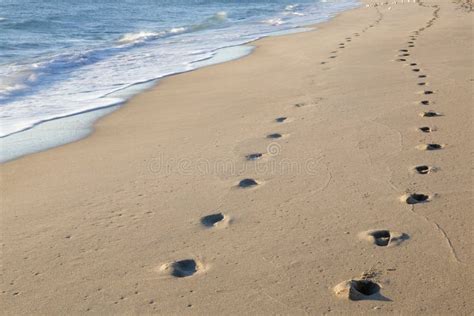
(337, 163)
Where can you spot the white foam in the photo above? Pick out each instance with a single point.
(291, 7)
(274, 22)
(139, 37)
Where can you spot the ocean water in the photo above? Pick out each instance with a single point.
(63, 57)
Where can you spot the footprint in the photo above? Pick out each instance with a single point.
(332, 57)
(357, 289)
(300, 105)
(253, 157)
(403, 50)
(422, 76)
(411, 45)
(423, 169)
(323, 62)
(428, 92)
(404, 55)
(213, 220)
(274, 136)
(416, 198)
(413, 64)
(416, 70)
(425, 102)
(430, 147)
(247, 183)
(426, 129)
(401, 59)
(334, 52)
(431, 114)
(422, 83)
(281, 119)
(383, 238)
(182, 268)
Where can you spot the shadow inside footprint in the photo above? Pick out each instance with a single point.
(274, 136)
(421, 83)
(425, 102)
(359, 289)
(280, 119)
(211, 220)
(422, 169)
(413, 64)
(428, 92)
(401, 59)
(381, 237)
(416, 198)
(183, 268)
(247, 183)
(433, 146)
(422, 76)
(431, 114)
(425, 129)
(253, 157)
(416, 70)
(366, 287)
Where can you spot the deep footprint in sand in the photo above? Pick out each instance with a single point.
(401, 59)
(422, 76)
(426, 129)
(383, 238)
(357, 289)
(253, 157)
(430, 147)
(423, 169)
(212, 220)
(425, 102)
(416, 198)
(416, 70)
(281, 119)
(274, 136)
(428, 92)
(247, 183)
(422, 83)
(431, 114)
(182, 268)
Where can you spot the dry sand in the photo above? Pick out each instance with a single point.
(95, 226)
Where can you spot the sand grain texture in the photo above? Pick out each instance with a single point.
(88, 226)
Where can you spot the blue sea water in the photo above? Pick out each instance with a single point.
(62, 57)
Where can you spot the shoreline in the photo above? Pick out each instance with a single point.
(265, 185)
(19, 146)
